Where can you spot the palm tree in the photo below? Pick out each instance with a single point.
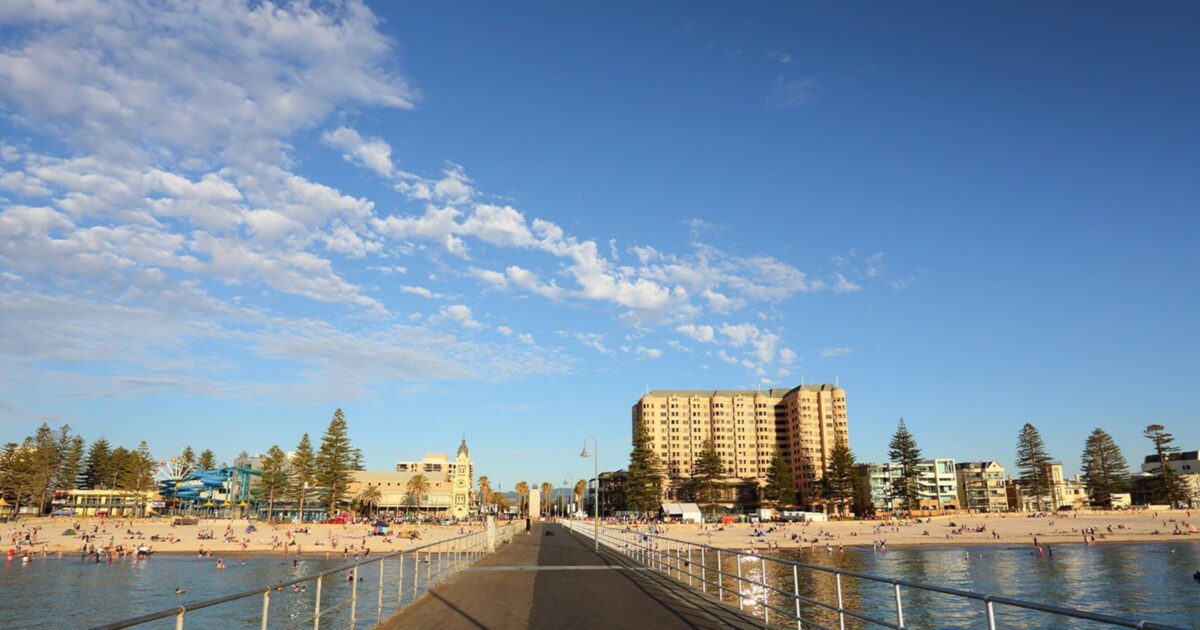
(500, 500)
(580, 488)
(485, 492)
(547, 488)
(369, 499)
(522, 491)
(417, 487)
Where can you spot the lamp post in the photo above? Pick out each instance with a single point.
(596, 500)
(303, 492)
(567, 484)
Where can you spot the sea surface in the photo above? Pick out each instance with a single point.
(73, 593)
(1145, 580)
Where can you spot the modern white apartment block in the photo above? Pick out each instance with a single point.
(937, 485)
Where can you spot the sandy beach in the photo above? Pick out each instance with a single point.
(958, 530)
(281, 538)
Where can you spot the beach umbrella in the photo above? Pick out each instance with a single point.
(4, 503)
(208, 504)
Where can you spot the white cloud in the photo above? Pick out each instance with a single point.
(421, 291)
(525, 338)
(460, 314)
(835, 352)
(699, 333)
(504, 330)
(787, 356)
(647, 354)
(372, 153)
(842, 285)
(592, 340)
(280, 68)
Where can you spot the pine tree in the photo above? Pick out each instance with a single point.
(335, 460)
(207, 460)
(1033, 462)
(781, 488)
(187, 461)
(300, 469)
(44, 458)
(71, 467)
(838, 478)
(1104, 468)
(274, 477)
(643, 486)
(96, 466)
(903, 451)
(1170, 490)
(120, 469)
(863, 505)
(708, 476)
(16, 473)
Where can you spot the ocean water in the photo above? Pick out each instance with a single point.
(1146, 580)
(72, 593)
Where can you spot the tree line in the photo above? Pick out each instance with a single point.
(52, 461)
(844, 483)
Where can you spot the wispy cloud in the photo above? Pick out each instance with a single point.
(791, 93)
(835, 352)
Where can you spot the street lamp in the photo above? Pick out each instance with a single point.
(303, 492)
(596, 501)
(567, 483)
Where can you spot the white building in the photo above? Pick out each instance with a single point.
(937, 485)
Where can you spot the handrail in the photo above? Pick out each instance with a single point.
(475, 545)
(611, 537)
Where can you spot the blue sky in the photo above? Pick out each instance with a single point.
(220, 221)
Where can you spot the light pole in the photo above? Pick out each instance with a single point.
(596, 500)
(567, 481)
(303, 492)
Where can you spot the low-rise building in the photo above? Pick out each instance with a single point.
(113, 503)
(937, 486)
(1063, 493)
(449, 485)
(981, 486)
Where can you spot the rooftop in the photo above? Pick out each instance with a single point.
(775, 392)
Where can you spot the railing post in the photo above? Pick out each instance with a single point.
(266, 606)
(899, 607)
(841, 615)
(720, 576)
(741, 602)
(379, 605)
(766, 593)
(400, 585)
(703, 569)
(179, 618)
(354, 597)
(689, 565)
(416, 573)
(796, 594)
(991, 614)
(317, 605)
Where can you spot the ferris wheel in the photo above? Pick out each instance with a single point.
(168, 470)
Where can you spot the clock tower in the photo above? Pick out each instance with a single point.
(460, 498)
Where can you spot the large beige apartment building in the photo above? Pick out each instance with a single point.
(746, 427)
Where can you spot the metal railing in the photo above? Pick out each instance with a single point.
(398, 579)
(785, 592)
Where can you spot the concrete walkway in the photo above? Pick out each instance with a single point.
(553, 579)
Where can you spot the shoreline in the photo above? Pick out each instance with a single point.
(955, 531)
